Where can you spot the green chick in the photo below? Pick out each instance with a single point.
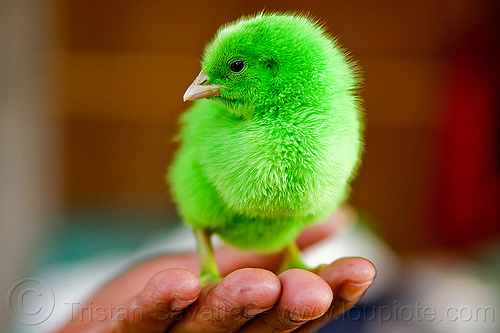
(272, 140)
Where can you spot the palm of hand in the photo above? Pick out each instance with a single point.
(155, 299)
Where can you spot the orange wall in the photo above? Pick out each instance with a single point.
(127, 64)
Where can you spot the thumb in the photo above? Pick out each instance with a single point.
(317, 232)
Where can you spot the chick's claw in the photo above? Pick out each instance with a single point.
(318, 268)
(207, 279)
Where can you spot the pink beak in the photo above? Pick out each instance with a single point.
(200, 89)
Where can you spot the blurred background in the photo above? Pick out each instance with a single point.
(91, 91)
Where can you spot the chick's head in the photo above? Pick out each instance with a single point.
(271, 62)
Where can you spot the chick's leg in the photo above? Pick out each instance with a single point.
(292, 258)
(209, 271)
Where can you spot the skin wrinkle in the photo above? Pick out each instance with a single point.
(225, 313)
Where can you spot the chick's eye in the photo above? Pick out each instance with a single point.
(237, 66)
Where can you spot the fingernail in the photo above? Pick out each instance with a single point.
(178, 304)
(353, 290)
(252, 311)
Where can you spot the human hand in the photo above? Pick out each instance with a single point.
(164, 294)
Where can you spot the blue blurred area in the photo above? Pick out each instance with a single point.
(90, 236)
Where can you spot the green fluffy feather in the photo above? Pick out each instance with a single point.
(276, 149)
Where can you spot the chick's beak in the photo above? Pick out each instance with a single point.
(201, 89)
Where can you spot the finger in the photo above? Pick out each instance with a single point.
(228, 305)
(349, 278)
(230, 259)
(320, 231)
(160, 303)
(305, 296)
